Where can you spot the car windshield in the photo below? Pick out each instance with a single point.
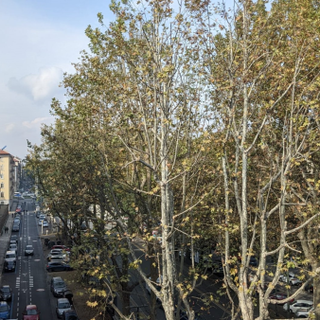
(5, 289)
(60, 285)
(10, 255)
(4, 308)
(63, 305)
(29, 247)
(31, 311)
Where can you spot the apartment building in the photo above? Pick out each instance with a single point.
(7, 177)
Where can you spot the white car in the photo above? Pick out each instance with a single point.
(304, 314)
(63, 305)
(291, 278)
(57, 254)
(45, 224)
(298, 306)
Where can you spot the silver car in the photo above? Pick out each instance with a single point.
(29, 250)
(298, 305)
(63, 305)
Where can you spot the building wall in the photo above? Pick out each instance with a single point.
(7, 177)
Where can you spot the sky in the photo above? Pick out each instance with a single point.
(40, 39)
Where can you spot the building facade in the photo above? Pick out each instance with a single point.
(7, 177)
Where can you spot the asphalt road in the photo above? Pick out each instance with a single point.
(29, 282)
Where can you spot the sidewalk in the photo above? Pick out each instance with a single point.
(4, 240)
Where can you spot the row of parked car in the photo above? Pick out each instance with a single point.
(30, 312)
(57, 260)
(64, 303)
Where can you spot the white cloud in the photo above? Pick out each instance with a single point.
(9, 127)
(38, 86)
(36, 123)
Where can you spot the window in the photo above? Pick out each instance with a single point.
(2, 194)
(1, 175)
(1, 185)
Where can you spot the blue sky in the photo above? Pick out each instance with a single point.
(39, 41)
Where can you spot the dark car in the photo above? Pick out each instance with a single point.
(309, 288)
(29, 250)
(14, 237)
(9, 265)
(58, 287)
(253, 261)
(15, 227)
(4, 310)
(58, 266)
(5, 293)
(70, 315)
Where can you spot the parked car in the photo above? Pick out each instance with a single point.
(4, 310)
(60, 246)
(304, 314)
(29, 250)
(309, 288)
(57, 286)
(13, 241)
(13, 247)
(70, 315)
(298, 305)
(253, 261)
(9, 265)
(58, 266)
(31, 312)
(45, 224)
(56, 253)
(10, 255)
(40, 221)
(14, 237)
(279, 296)
(291, 278)
(63, 305)
(5, 293)
(15, 227)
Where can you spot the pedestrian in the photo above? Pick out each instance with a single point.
(6, 229)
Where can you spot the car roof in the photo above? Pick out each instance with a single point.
(3, 302)
(31, 306)
(63, 300)
(10, 252)
(5, 286)
(57, 279)
(303, 301)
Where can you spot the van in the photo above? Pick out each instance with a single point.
(10, 255)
